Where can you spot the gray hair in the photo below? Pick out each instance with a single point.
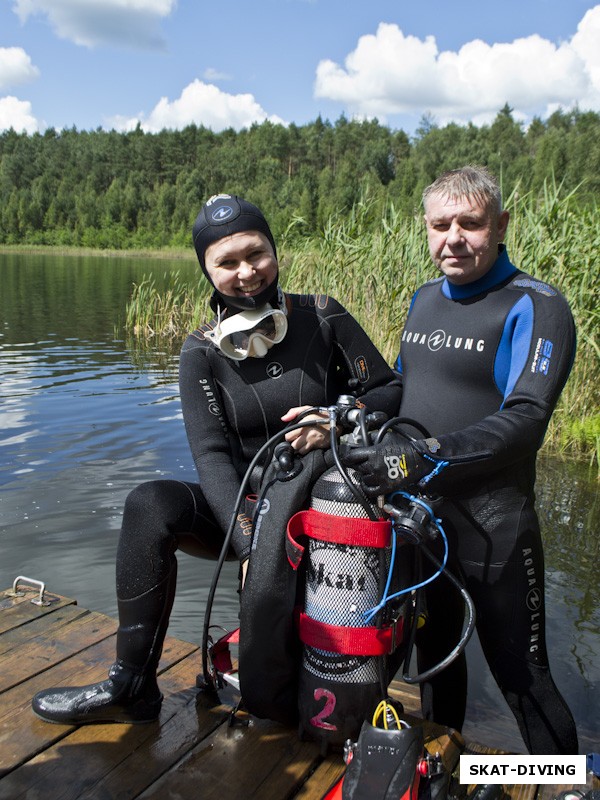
(470, 181)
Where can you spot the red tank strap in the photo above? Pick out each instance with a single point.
(367, 641)
(355, 531)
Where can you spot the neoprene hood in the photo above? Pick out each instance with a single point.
(224, 215)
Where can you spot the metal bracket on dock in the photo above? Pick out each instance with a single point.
(39, 601)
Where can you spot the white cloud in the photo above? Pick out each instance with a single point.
(390, 73)
(15, 113)
(200, 104)
(16, 67)
(129, 23)
(586, 43)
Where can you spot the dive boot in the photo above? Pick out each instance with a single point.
(124, 697)
(131, 693)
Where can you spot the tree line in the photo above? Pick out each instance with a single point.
(108, 189)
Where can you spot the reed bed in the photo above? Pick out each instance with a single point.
(167, 314)
(374, 266)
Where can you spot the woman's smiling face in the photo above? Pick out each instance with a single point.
(241, 265)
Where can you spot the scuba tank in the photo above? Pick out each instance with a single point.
(345, 651)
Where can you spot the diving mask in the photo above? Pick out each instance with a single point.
(256, 329)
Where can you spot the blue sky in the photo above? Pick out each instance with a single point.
(168, 63)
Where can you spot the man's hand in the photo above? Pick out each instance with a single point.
(386, 468)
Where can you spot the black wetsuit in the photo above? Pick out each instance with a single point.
(482, 366)
(230, 409)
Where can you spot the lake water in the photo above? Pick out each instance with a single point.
(85, 417)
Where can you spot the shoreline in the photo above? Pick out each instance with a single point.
(171, 253)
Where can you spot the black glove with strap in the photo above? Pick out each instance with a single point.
(390, 467)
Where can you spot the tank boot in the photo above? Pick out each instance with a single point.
(131, 693)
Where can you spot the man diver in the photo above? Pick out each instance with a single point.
(484, 355)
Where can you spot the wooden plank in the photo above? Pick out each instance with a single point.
(484, 729)
(121, 760)
(87, 666)
(49, 624)
(46, 650)
(408, 695)
(89, 658)
(178, 734)
(446, 742)
(9, 601)
(16, 611)
(261, 760)
(322, 779)
(15, 705)
(496, 730)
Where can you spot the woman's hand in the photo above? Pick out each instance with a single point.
(311, 437)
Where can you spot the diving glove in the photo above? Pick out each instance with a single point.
(386, 468)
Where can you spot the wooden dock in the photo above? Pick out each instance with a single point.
(192, 751)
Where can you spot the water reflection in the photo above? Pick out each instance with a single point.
(84, 418)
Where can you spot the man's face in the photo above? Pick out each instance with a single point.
(463, 236)
(241, 265)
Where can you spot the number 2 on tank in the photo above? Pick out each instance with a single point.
(319, 719)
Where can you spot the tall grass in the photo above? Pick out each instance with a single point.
(167, 314)
(555, 239)
(374, 266)
(372, 269)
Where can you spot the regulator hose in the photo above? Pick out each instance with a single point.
(462, 643)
